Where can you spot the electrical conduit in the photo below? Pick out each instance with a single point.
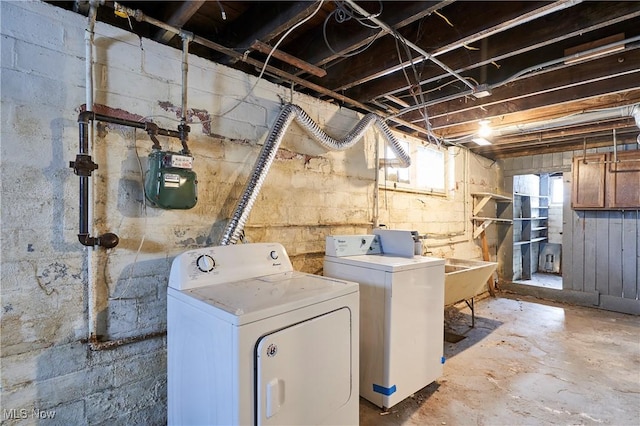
(289, 113)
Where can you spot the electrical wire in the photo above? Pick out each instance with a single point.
(343, 55)
(264, 67)
(144, 214)
(443, 17)
(423, 111)
(346, 12)
(435, 89)
(343, 13)
(223, 15)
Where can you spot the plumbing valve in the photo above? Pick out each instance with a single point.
(184, 130)
(83, 166)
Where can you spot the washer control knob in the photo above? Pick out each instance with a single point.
(206, 263)
(273, 254)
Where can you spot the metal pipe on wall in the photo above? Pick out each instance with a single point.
(183, 128)
(84, 199)
(84, 166)
(141, 17)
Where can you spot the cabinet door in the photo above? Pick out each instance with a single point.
(623, 180)
(588, 182)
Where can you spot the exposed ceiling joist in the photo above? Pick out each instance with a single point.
(179, 17)
(516, 50)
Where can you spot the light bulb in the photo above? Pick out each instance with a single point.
(484, 130)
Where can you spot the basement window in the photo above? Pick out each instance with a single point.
(427, 173)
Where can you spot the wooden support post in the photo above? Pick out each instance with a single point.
(485, 256)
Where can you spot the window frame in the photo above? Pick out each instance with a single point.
(414, 146)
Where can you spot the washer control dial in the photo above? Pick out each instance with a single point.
(273, 255)
(205, 263)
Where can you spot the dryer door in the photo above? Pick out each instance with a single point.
(303, 373)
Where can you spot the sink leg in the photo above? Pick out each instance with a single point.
(473, 312)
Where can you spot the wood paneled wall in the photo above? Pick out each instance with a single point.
(600, 249)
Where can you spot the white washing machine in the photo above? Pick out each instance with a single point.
(251, 341)
(401, 314)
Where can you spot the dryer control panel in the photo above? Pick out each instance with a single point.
(220, 264)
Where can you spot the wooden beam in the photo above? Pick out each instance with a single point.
(478, 26)
(302, 82)
(290, 59)
(268, 31)
(571, 144)
(616, 73)
(399, 16)
(550, 112)
(486, 257)
(179, 18)
(559, 134)
(579, 21)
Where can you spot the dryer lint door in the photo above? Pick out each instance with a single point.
(304, 371)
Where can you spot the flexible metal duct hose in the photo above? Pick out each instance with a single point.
(270, 147)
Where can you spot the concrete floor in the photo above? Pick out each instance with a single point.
(529, 362)
(543, 280)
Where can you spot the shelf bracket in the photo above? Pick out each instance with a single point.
(483, 202)
(481, 227)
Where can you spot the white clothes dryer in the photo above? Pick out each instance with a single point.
(251, 341)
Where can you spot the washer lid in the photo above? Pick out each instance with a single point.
(384, 262)
(245, 301)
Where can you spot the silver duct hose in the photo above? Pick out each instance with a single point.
(270, 147)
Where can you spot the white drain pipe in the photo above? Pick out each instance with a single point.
(93, 300)
(585, 117)
(88, 39)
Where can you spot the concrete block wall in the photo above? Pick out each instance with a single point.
(46, 274)
(446, 219)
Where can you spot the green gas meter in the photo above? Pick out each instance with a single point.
(170, 182)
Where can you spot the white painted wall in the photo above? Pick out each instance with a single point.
(45, 274)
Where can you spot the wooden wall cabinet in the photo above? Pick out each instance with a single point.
(623, 181)
(606, 181)
(588, 182)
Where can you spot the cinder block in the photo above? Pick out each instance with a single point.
(152, 314)
(7, 52)
(122, 315)
(34, 23)
(152, 415)
(64, 414)
(39, 208)
(39, 90)
(140, 368)
(35, 59)
(61, 389)
(112, 403)
(164, 64)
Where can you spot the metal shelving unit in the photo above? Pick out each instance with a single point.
(530, 228)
